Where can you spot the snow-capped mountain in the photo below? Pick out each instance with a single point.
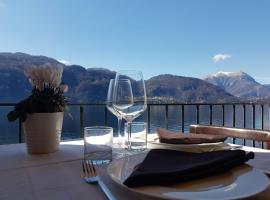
(239, 84)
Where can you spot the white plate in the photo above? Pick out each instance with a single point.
(153, 142)
(240, 182)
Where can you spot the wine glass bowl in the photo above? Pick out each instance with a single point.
(123, 95)
(109, 102)
(129, 98)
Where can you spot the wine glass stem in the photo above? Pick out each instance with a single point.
(129, 135)
(119, 129)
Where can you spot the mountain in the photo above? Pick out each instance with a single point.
(186, 89)
(20, 60)
(239, 84)
(14, 85)
(90, 85)
(87, 85)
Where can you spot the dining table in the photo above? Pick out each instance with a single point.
(59, 175)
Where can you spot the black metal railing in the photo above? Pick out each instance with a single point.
(182, 120)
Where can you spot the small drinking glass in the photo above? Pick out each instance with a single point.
(98, 144)
(136, 136)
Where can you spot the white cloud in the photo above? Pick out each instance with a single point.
(220, 57)
(65, 62)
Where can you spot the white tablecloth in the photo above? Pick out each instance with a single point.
(59, 175)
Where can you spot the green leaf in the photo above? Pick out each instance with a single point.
(12, 116)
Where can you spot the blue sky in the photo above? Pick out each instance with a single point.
(156, 36)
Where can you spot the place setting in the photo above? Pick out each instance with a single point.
(165, 165)
(169, 174)
(134, 100)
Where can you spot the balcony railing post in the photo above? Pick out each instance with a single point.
(268, 114)
(244, 122)
(197, 114)
(223, 115)
(234, 115)
(20, 131)
(105, 116)
(253, 116)
(148, 118)
(262, 112)
(262, 115)
(166, 116)
(81, 121)
(233, 120)
(254, 121)
(211, 114)
(244, 115)
(183, 117)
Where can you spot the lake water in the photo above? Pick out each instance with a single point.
(94, 116)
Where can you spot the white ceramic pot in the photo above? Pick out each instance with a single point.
(43, 132)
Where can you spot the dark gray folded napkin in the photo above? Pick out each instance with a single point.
(162, 166)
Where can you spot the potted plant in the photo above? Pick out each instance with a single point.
(42, 112)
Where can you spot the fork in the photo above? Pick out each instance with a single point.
(91, 177)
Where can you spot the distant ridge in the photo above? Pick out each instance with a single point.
(239, 84)
(89, 85)
(20, 60)
(186, 89)
(241, 75)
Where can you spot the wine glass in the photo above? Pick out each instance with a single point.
(110, 107)
(129, 98)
